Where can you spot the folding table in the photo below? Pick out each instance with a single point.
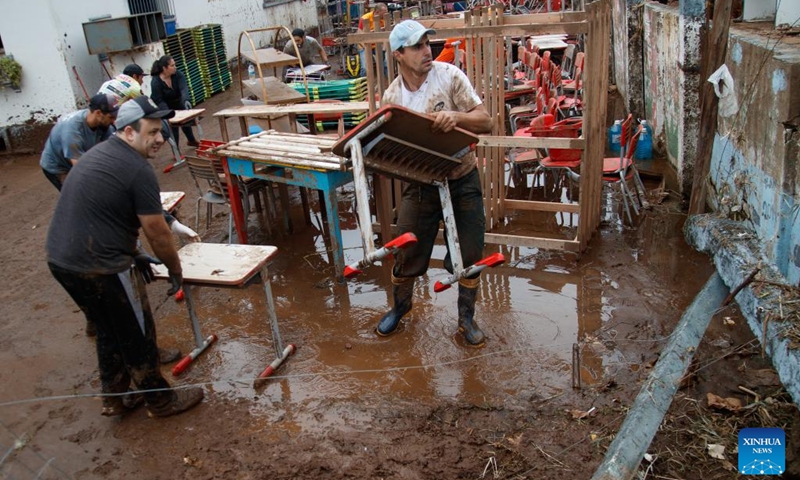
(170, 200)
(183, 118)
(225, 265)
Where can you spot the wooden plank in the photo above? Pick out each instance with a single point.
(183, 116)
(296, 108)
(531, 142)
(271, 58)
(533, 242)
(536, 206)
(279, 158)
(481, 31)
(713, 58)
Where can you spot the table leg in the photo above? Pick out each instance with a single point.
(277, 342)
(283, 190)
(198, 334)
(236, 203)
(332, 211)
(199, 129)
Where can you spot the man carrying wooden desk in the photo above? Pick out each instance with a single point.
(92, 243)
(308, 47)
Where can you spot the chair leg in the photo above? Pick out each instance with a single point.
(209, 212)
(625, 204)
(230, 226)
(197, 215)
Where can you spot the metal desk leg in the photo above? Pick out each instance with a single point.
(281, 354)
(201, 343)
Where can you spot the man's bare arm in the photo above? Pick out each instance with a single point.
(476, 120)
(159, 236)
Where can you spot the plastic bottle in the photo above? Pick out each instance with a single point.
(644, 148)
(251, 71)
(614, 134)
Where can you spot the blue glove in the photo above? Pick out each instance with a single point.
(143, 263)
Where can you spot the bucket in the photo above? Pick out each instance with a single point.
(169, 24)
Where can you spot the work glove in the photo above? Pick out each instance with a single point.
(176, 279)
(187, 105)
(183, 232)
(143, 263)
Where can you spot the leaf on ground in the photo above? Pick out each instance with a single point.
(580, 414)
(728, 403)
(716, 451)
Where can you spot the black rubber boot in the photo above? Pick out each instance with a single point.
(466, 314)
(402, 291)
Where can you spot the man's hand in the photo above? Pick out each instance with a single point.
(444, 122)
(187, 105)
(176, 279)
(183, 232)
(143, 263)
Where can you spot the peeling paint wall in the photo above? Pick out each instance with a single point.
(46, 38)
(756, 157)
(627, 44)
(671, 86)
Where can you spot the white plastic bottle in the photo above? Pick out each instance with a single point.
(251, 71)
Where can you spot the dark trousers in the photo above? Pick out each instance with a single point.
(186, 131)
(421, 211)
(126, 334)
(54, 179)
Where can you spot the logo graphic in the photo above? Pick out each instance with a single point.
(762, 451)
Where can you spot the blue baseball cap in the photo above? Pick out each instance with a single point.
(407, 34)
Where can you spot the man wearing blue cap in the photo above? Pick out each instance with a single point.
(445, 93)
(92, 243)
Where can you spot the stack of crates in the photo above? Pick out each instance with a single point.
(210, 45)
(181, 47)
(350, 90)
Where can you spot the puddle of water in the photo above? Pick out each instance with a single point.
(533, 309)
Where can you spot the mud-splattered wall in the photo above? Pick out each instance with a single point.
(47, 39)
(756, 158)
(627, 45)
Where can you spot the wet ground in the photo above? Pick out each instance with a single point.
(349, 404)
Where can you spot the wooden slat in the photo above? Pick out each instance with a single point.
(532, 205)
(481, 31)
(533, 242)
(530, 142)
(296, 108)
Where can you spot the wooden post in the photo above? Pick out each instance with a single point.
(713, 58)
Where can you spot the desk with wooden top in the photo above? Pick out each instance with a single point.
(289, 159)
(267, 111)
(185, 118)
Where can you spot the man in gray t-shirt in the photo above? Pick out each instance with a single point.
(308, 46)
(91, 245)
(74, 134)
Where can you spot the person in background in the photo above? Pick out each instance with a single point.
(92, 245)
(134, 71)
(367, 24)
(308, 47)
(74, 134)
(169, 89)
(445, 93)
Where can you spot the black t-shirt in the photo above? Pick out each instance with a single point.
(95, 224)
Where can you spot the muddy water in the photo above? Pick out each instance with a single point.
(538, 310)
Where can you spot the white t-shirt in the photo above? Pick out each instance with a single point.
(445, 89)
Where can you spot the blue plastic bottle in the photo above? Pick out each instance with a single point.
(614, 134)
(644, 149)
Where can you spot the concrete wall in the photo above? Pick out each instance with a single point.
(755, 164)
(788, 13)
(46, 38)
(671, 79)
(627, 69)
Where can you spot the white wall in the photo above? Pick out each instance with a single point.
(46, 38)
(788, 13)
(238, 15)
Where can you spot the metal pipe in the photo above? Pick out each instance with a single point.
(628, 448)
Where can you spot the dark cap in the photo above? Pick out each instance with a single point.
(105, 102)
(133, 69)
(138, 108)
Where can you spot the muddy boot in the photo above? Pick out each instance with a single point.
(121, 404)
(179, 401)
(467, 293)
(402, 291)
(168, 355)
